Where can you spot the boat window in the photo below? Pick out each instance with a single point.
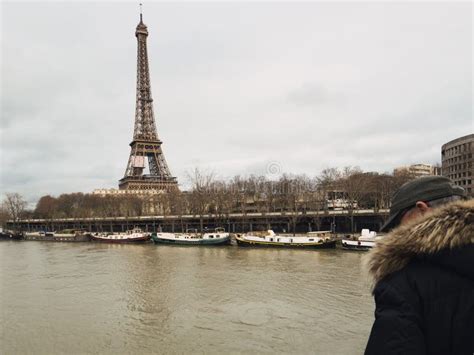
(278, 239)
(271, 239)
(211, 237)
(291, 240)
(311, 240)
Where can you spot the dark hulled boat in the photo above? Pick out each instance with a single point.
(67, 235)
(11, 235)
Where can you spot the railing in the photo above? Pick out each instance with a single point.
(211, 216)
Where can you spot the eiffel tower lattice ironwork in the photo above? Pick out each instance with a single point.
(146, 146)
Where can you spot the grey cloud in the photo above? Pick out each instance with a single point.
(236, 86)
(310, 94)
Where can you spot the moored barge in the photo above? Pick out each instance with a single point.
(67, 235)
(218, 237)
(11, 235)
(135, 235)
(364, 242)
(312, 240)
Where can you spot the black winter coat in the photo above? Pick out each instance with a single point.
(424, 292)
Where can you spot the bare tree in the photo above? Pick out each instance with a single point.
(327, 181)
(383, 189)
(200, 197)
(200, 180)
(354, 184)
(289, 189)
(15, 205)
(131, 206)
(177, 204)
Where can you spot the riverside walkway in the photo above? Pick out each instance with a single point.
(342, 220)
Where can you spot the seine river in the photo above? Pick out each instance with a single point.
(103, 298)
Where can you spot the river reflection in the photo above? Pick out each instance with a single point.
(100, 298)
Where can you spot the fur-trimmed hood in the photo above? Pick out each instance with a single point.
(438, 232)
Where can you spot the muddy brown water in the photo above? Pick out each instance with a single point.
(103, 298)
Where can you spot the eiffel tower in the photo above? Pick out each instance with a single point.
(146, 146)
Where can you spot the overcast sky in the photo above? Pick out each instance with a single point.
(237, 87)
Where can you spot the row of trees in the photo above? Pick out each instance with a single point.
(79, 205)
(290, 193)
(239, 194)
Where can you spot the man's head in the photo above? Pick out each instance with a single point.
(418, 196)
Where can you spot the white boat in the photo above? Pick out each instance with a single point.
(217, 237)
(134, 235)
(315, 240)
(365, 241)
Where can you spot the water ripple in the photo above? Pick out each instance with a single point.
(96, 298)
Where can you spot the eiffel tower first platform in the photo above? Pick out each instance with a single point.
(146, 146)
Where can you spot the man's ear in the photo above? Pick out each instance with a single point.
(422, 206)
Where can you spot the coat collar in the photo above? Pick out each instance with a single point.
(447, 228)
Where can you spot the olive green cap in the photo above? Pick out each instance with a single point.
(426, 188)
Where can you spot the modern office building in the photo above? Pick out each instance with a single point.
(417, 170)
(457, 162)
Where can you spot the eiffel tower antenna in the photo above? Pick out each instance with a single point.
(145, 146)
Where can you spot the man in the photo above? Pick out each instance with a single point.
(424, 272)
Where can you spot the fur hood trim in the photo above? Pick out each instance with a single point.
(449, 227)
